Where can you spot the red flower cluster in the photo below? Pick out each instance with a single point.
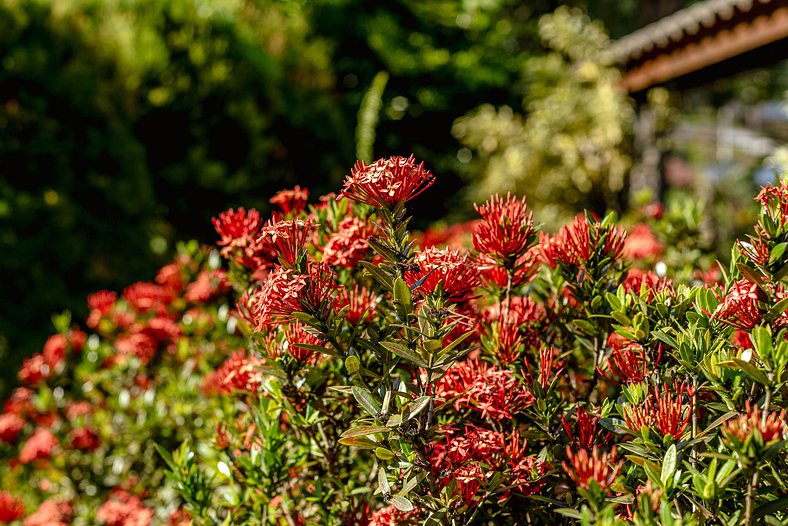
(289, 237)
(587, 434)
(627, 364)
(575, 244)
(50, 513)
(455, 272)
(11, 425)
(484, 388)
(740, 308)
(387, 182)
(583, 468)
(38, 446)
(663, 411)
(238, 373)
(11, 508)
(348, 245)
(124, 509)
(361, 302)
(770, 429)
(506, 229)
(391, 516)
(291, 200)
(641, 243)
(240, 239)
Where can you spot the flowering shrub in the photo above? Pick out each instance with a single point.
(488, 373)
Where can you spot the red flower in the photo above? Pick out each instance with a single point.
(139, 344)
(124, 509)
(576, 243)
(506, 228)
(277, 300)
(11, 508)
(627, 364)
(774, 201)
(387, 182)
(588, 434)
(289, 237)
(238, 373)
(34, 370)
(50, 513)
(498, 394)
(663, 411)
(349, 244)
(739, 308)
(38, 446)
(84, 438)
(11, 425)
(291, 200)
(756, 250)
(206, 286)
(145, 296)
(582, 468)
(391, 516)
(503, 339)
(238, 229)
(636, 280)
(456, 272)
(297, 333)
(361, 301)
(771, 429)
(641, 243)
(100, 303)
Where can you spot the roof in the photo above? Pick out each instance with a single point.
(698, 36)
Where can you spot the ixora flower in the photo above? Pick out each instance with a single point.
(291, 200)
(11, 508)
(124, 509)
(586, 434)
(627, 364)
(387, 182)
(506, 229)
(50, 513)
(289, 237)
(287, 291)
(739, 308)
(752, 423)
(663, 411)
(348, 245)
(576, 242)
(457, 273)
(38, 446)
(583, 468)
(11, 425)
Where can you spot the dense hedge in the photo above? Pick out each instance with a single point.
(487, 372)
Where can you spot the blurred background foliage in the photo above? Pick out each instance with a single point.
(125, 125)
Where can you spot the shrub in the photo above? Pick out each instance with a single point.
(374, 377)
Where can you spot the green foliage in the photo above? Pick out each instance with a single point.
(567, 149)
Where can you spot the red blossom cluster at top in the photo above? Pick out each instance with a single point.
(387, 182)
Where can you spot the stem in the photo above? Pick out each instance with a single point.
(751, 485)
(767, 400)
(694, 453)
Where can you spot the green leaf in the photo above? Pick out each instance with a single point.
(406, 353)
(417, 406)
(365, 430)
(776, 310)
(383, 453)
(352, 364)
(378, 273)
(569, 512)
(383, 481)
(367, 401)
(402, 297)
(359, 441)
(401, 503)
(668, 466)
